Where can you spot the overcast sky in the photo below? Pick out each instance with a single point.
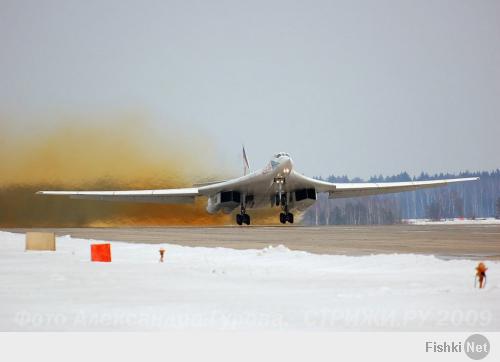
(351, 87)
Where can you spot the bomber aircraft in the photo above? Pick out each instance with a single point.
(278, 185)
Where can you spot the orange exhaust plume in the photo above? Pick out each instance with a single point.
(100, 154)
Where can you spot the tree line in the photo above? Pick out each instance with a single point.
(475, 199)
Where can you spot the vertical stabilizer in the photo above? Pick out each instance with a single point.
(246, 166)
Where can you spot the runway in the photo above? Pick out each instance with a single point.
(445, 241)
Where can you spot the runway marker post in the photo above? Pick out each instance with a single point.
(40, 241)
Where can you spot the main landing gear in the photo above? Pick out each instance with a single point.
(284, 217)
(243, 217)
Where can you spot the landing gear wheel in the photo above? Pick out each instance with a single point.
(289, 217)
(242, 219)
(282, 218)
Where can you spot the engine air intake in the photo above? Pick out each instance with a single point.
(303, 194)
(228, 196)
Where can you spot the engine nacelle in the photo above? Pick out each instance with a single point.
(225, 201)
(303, 198)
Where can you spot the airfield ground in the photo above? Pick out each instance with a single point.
(444, 241)
(269, 288)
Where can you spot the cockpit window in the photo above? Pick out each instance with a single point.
(281, 154)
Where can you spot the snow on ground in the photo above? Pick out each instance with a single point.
(454, 221)
(225, 289)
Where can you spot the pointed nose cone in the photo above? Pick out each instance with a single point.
(286, 165)
(282, 164)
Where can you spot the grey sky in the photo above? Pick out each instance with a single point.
(353, 87)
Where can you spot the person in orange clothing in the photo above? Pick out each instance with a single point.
(162, 253)
(481, 274)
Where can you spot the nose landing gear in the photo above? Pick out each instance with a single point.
(285, 215)
(281, 198)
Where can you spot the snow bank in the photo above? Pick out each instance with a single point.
(224, 289)
(455, 221)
